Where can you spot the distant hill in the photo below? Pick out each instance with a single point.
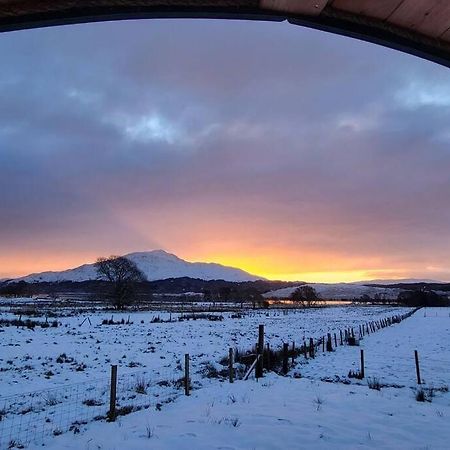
(340, 291)
(156, 265)
(349, 291)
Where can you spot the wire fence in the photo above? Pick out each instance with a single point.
(30, 418)
(399, 369)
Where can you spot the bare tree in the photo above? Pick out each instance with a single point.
(306, 296)
(254, 296)
(123, 275)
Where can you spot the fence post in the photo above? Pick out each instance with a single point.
(329, 343)
(186, 374)
(113, 394)
(269, 362)
(260, 351)
(416, 357)
(311, 347)
(293, 353)
(230, 364)
(362, 363)
(285, 357)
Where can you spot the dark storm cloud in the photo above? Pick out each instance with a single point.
(327, 144)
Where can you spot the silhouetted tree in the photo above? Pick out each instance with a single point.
(210, 296)
(254, 296)
(306, 296)
(225, 294)
(123, 275)
(207, 295)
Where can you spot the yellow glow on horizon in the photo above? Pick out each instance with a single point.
(272, 265)
(260, 267)
(320, 277)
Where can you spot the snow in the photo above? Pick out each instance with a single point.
(279, 412)
(276, 413)
(389, 353)
(273, 413)
(339, 291)
(156, 265)
(153, 345)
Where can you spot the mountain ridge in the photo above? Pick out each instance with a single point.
(155, 264)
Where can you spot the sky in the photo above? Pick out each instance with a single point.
(291, 153)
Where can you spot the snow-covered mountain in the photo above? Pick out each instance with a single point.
(339, 291)
(156, 265)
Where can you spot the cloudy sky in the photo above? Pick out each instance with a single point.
(291, 153)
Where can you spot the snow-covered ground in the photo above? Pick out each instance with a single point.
(276, 412)
(26, 356)
(389, 353)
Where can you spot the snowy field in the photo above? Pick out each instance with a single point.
(27, 357)
(277, 413)
(299, 413)
(389, 353)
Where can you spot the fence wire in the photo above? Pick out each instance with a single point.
(32, 417)
(28, 418)
(143, 389)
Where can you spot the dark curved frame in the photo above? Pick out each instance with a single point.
(329, 20)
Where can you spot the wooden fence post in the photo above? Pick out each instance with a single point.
(362, 363)
(186, 374)
(329, 343)
(230, 364)
(113, 394)
(293, 353)
(260, 351)
(285, 358)
(416, 357)
(311, 347)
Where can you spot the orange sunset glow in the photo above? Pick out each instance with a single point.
(226, 143)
